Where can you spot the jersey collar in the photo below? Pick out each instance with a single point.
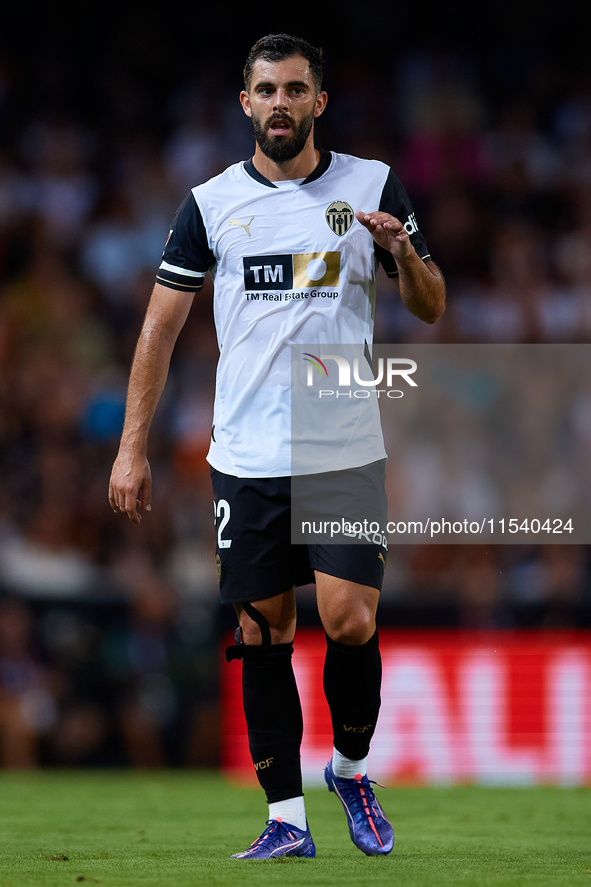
(325, 158)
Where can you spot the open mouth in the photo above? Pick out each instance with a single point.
(279, 126)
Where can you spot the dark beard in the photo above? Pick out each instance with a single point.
(282, 148)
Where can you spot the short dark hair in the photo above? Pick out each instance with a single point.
(275, 47)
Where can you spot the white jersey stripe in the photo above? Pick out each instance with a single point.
(176, 270)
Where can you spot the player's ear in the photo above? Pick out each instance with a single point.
(245, 102)
(321, 100)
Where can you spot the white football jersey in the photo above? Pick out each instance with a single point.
(291, 265)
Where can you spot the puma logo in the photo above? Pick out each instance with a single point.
(242, 225)
(382, 558)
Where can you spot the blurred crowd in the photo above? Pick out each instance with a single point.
(107, 630)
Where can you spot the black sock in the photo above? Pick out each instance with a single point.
(352, 681)
(273, 718)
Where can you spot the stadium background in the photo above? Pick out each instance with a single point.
(109, 634)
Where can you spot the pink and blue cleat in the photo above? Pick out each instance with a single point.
(369, 827)
(279, 839)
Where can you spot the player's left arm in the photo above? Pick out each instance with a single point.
(421, 284)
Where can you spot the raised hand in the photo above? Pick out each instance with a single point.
(388, 232)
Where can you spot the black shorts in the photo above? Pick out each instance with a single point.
(254, 553)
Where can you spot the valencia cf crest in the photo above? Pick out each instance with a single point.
(339, 217)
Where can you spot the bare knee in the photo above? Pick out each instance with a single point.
(347, 609)
(351, 628)
(279, 612)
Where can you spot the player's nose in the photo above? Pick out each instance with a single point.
(280, 100)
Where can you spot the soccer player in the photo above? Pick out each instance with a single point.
(257, 228)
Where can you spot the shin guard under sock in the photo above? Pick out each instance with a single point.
(273, 718)
(352, 681)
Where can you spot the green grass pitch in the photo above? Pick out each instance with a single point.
(177, 829)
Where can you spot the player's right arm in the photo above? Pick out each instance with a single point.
(130, 486)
